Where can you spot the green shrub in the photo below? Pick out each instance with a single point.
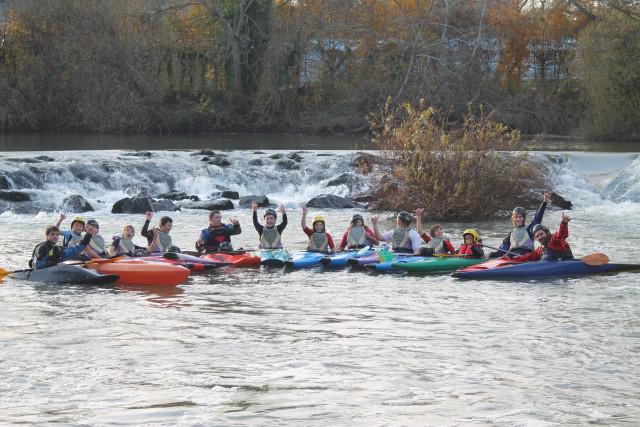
(467, 169)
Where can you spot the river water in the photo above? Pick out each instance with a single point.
(315, 347)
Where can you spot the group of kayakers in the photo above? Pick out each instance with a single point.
(519, 243)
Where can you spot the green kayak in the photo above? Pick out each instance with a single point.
(436, 264)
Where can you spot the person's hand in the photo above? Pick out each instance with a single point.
(234, 221)
(565, 218)
(547, 197)
(374, 219)
(418, 212)
(200, 242)
(155, 231)
(149, 215)
(304, 209)
(281, 208)
(254, 206)
(63, 215)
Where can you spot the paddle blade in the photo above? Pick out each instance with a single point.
(171, 255)
(386, 256)
(363, 251)
(595, 259)
(4, 272)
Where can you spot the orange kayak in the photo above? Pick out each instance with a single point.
(243, 259)
(141, 272)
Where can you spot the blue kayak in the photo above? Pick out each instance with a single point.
(507, 269)
(273, 257)
(304, 259)
(339, 260)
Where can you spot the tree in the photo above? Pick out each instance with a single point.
(610, 65)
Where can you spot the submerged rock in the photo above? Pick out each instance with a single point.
(245, 201)
(142, 205)
(75, 203)
(15, 196)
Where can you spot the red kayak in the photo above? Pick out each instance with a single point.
(237, 259)
(140, 272)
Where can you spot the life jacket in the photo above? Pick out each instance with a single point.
(548, 254)
(216, 236)
(97, 244)
(163, 243)
(400, 239)
(270, 238)
(125, 246)
(466, 250)
(437, 245)
(318, 242)
(520, 239)
(356, 237)
(72, 240)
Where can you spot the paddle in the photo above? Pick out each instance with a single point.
(595, 259)
(96, 261)
(498, 249)
(362, 251)
(386, 256)
(452, 255)
(592, 259)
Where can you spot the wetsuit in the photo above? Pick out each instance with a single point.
(213, 236)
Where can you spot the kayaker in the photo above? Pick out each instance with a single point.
(471, 245)
(96, 247)
(270, 234)
(319, 239)
(73, 236)
(164, 239)
(357, 235)
(436, 242)
(48, 253)
(520, 239)
(217, 233)
(552, 248)
(403, 239)
(124, 245)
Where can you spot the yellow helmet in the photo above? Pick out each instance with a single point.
(316, 219)
(79, 219)
(474, 233)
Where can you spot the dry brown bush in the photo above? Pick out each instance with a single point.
(470, 169)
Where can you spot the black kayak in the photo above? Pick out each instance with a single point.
(66, 274)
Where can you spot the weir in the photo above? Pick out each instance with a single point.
(32, 182)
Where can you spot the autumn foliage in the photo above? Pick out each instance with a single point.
(455, 170)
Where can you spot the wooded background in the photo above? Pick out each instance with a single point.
(317, 66)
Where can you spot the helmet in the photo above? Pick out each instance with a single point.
(356, 217)
(519, 211)
(316, 219)
(474, 233)
(271, 212)
(404, 217)
(79, 219)
(225, 247)
(539, 227)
